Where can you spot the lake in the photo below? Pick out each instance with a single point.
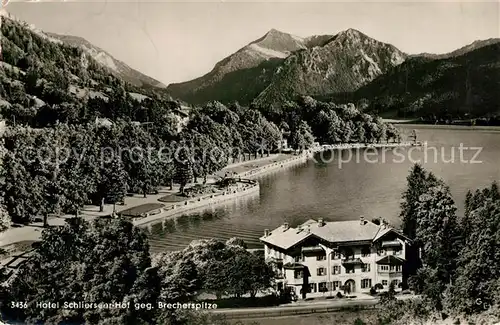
(344, 185)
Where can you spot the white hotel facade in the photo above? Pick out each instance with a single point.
(323, 258)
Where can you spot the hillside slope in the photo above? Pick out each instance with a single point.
(455, 86)
(344, 63)
(115, 66)
(44, 81)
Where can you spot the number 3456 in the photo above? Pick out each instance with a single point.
(17, 304)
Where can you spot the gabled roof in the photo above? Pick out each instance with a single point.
(346, 231)
(334, 232)
(285, 237)
(391, 260)
(387, 230)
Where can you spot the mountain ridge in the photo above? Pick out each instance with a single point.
(265, 61)
(116, 66)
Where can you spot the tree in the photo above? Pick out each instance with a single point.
(215, 278)
(99, 262)
(437, 233)
(302, 137)
(478, 267)
(235, 241)
(183, 167)
(418, 182)
(4, 217)
(115, 182)
(179, 276)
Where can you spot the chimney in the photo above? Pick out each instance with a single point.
(266, 232)
(286, 225)
(321, 222)
(362, 221)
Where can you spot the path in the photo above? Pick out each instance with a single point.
(32, 232)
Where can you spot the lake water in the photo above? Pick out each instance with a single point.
(368, 187)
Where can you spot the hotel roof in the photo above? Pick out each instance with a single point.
(334, 232)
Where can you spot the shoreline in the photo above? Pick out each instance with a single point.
(199, 203)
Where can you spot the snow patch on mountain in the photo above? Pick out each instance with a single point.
(268, 53)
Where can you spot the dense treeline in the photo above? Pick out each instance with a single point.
(459, 272)
(74, 165)
(108, 261)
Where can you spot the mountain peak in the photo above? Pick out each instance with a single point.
(350, 32)
(274, 31)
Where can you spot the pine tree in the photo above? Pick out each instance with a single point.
(476, 282)
(438, 233)
(116, 182)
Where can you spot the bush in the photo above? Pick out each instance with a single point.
(373, 291)
(340, 295)
(359, 321)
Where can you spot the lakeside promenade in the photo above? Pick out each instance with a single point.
(246, 170)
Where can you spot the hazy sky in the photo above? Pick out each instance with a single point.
(179, 41)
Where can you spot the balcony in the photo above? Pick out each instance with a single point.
(352, 261)
(392, 243)
(312, 249)
(391, 265)
(273, 259)
(390, 273)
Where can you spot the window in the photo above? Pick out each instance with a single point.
(336, 269)
(381, 252)
(349, 254)
(297, 275)
(384, 267)
(384, 282)
(397, 251)
(395, 282)
(335, 255)
(336, 285)
(366, 283)
(365, 252)
(321, 271)
(395, 268)
(349, 269)
(321, 257)
(298, 258)
(365, 268)
(312, 287)
(322, 287)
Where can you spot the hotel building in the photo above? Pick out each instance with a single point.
(323, 258)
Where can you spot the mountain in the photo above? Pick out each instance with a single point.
(242, 75)
(342, 63)
(461, 51)
(116, 67)
(281, 66)
(44, 80)
(464, 83)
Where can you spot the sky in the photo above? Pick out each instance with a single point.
(180, 41)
